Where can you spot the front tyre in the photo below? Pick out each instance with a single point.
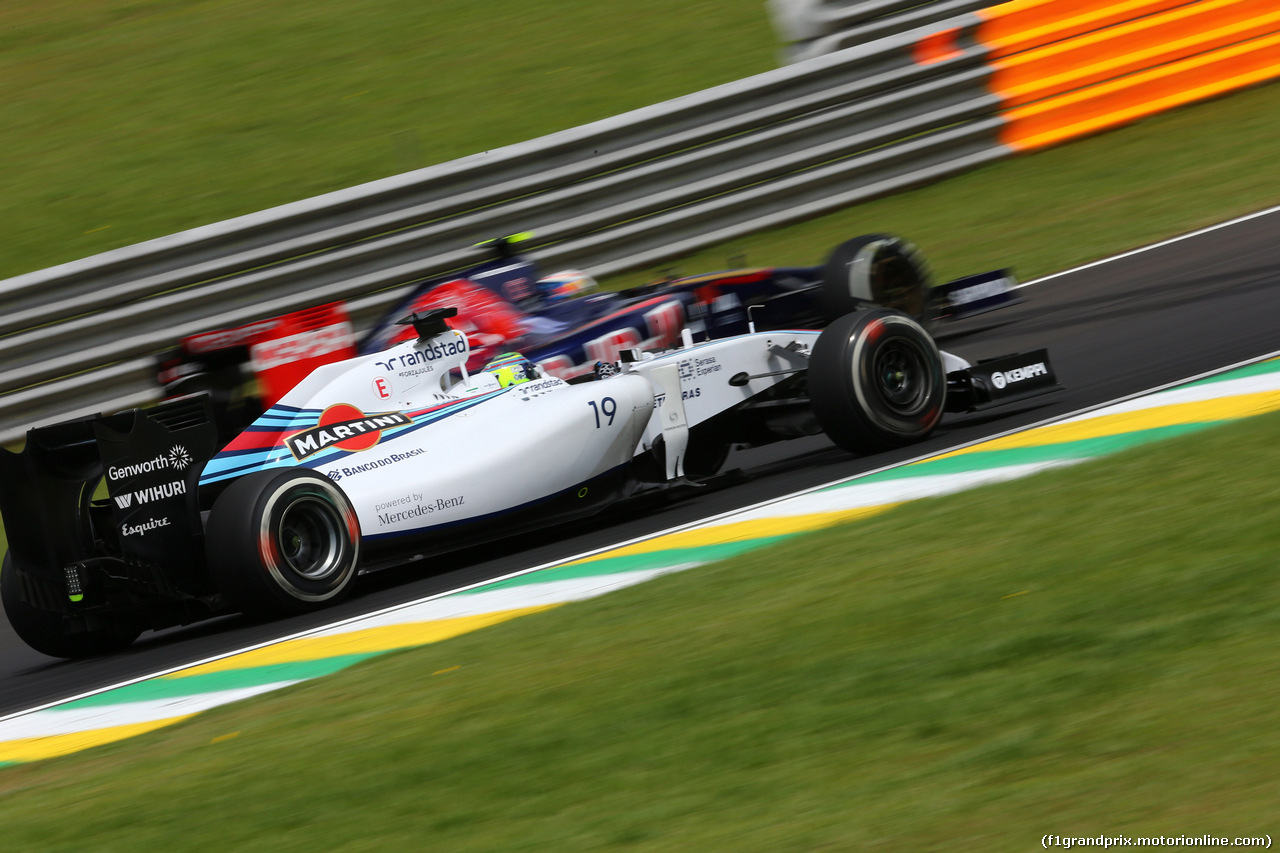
(281, 542)
(876, 381)
(875, 270)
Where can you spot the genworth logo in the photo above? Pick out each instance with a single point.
(179, 458)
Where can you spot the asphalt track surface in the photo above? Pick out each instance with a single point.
(1113, 330)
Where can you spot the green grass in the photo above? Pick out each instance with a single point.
(1048, 211)
(132, 119)
(1096, 654)
(125, 120)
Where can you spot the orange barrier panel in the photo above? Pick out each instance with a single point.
(1085, 111)
(1025, 24)
(937, 47)
(1131, 47)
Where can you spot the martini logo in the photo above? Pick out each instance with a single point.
(345, 427)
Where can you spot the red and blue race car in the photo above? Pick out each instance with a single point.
(565, 325)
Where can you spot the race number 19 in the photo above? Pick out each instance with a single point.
(607, 407)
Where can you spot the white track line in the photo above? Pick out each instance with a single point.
(1169, 242)
(54, 722)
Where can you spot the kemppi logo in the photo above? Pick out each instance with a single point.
(1018, 374)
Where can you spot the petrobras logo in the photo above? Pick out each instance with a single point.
(304, 345)
(1018, 374)
(155, 493)
(345, 427)
(176, 459)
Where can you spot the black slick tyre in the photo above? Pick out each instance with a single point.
(281, 542)
(47, 632)
(875, 270)
(876, 381)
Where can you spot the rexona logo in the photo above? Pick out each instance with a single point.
(345, 427)
(1018, 374)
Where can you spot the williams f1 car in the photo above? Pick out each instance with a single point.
(565, 325)
(142, 520)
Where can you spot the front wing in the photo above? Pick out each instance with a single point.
(1001, 381)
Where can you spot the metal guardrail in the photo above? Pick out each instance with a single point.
(622, 193)
(818, 27)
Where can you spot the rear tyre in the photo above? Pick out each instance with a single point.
(281, 542)
(876, 381)
(47, 632)
(875, 270)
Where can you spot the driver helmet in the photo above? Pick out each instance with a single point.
(511, 368)
(565, 285)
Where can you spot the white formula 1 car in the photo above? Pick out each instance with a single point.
(133, 521)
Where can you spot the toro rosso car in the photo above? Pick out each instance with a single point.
(140, 520)
(565, 326)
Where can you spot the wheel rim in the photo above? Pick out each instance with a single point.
(311, 538)
(902, 376)
(898, 284)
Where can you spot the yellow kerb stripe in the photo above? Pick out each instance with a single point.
(739, 531)
(380, 639)
(37, 748)
(1229, 408)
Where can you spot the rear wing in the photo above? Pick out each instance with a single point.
(281, 352)
(112, 498)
